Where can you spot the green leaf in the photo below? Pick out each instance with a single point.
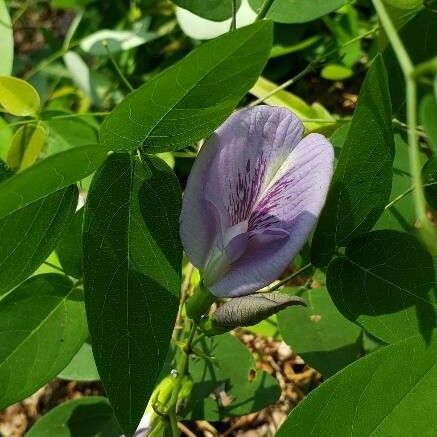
(42, 326)
(82, 367)
(210, 9)
(361, 184)
(89, 416)
(298, 11)
(429, 174)
(387, 393)
(6, 40)
(29, 235)
(48, 176)
(227, 378)
(320, 334)
(195, 95)
(385, 282)
(428, 118)
(18, 97)
(132, 274)
(69, 248)
(336, 72)
(26, 146)
(418, 36)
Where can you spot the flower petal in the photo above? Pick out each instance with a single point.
(251, 146)
(290, 204)
(231, 153)
(199, 221)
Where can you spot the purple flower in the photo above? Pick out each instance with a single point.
(252, 198)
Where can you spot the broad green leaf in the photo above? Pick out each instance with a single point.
(298, 11)
(418, 36)
(48, 176)
(6, 40)
(26, 145)
(390, 392)
(89, 416)
(227, 378)
(42, 326)
(386, 283)
(29, 235)
(82, 367)
(429, 174)
(69, 248)
(187, 101)
(18, 97)
(361, 184)
(112, 41)
(132, 274)
(285, 99)
(320, 334)
(428, 117)
(210, 9)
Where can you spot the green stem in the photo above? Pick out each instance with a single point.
(289, 278)
(234, 15)
(407, 68)
(116, 67)
(284, 85)
(264, 9)
(72, 30)
(182, 368)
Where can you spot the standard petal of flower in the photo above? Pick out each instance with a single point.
(290, 205)
(251, 146)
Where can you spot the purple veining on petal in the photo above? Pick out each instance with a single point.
(245, 191)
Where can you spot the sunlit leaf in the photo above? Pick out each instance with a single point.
(42, 326)
(26, 145)
(18, 97)
(387, 393)
(195, 95)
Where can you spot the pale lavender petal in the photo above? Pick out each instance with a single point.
(287, 210)
(199, 220)
(251, 146)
